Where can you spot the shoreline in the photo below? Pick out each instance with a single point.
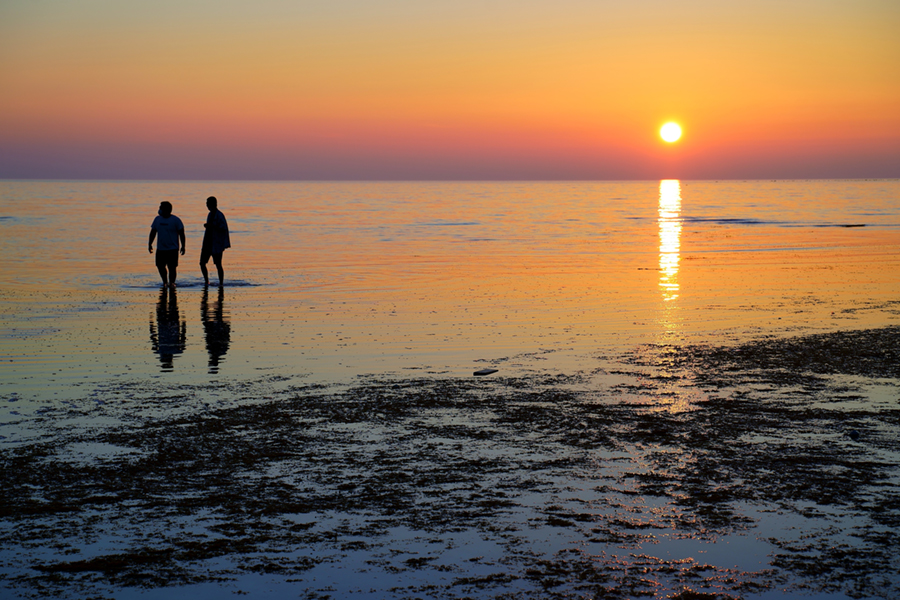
(534, 486)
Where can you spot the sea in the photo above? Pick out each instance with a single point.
(336, 280)
(341, 297)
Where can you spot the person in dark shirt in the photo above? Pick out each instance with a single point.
(215, 240)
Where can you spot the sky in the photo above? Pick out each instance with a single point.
(459, 89)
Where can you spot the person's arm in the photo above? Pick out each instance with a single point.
(217, 222)
(152, 237)
(181, 235)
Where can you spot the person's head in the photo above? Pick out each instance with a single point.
(212, 203)
(165, 208)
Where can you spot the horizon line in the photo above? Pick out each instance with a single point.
(460, 180)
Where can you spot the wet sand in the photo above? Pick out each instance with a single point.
(764, 469)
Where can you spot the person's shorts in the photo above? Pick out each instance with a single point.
(205, 254)
(167, 258)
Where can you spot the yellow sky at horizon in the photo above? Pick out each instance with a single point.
(590, 73)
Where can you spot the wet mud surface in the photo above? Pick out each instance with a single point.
(549, 486)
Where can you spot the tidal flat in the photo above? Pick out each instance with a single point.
(763, 469)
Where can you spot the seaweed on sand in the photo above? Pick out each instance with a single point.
(565, 493)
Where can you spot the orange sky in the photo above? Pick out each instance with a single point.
(277, 89)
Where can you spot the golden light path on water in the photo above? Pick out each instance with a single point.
(669, 237)
(669, 320)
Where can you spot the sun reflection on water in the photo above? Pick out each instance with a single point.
(676, 398)
(669, 237)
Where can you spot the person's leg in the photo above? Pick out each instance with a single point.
(161, 267)
(173, 267)
(204, 258)
(217, 258)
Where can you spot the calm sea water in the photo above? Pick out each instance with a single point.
(336, 280)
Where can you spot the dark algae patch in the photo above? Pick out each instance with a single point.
(549, 486)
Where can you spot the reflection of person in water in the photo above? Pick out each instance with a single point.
(168, 336)
(215, 240)
(216, 327)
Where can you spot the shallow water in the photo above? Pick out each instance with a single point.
(333, 280)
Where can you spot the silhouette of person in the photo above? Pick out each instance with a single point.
(168, 336)
(215, 240)
(216, 327)
(170, 230)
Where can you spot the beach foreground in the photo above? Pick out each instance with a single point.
(766, 469)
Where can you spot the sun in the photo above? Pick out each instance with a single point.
(670, 132)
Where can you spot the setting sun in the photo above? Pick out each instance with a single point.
(670, 132)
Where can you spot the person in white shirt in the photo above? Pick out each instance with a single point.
(170, 230)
